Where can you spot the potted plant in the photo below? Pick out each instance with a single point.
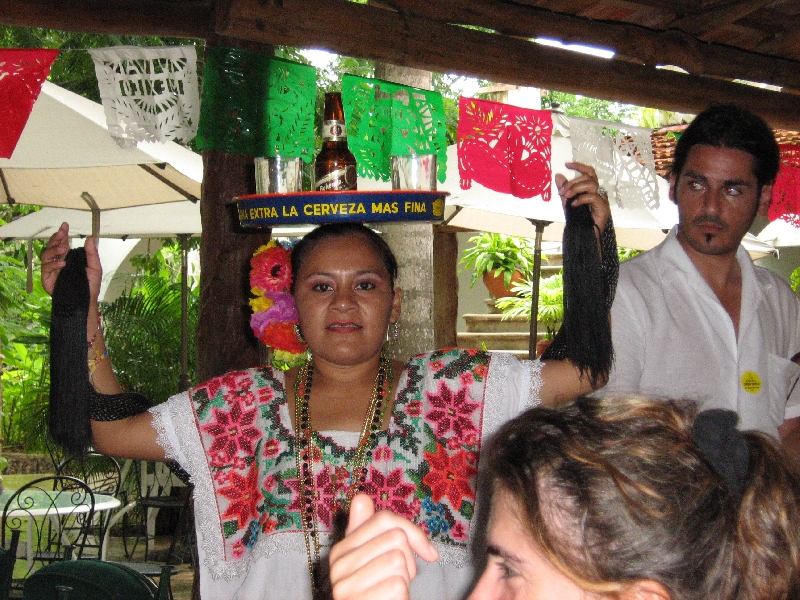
(500, 260)
(551, 306)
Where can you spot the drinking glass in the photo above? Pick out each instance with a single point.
(414, 172)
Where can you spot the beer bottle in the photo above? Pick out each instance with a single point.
(335, 167)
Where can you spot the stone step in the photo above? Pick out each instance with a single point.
(493, 341)
(494, 323)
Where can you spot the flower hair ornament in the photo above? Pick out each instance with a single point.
(274, 312)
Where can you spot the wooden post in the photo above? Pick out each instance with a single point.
(224, 339)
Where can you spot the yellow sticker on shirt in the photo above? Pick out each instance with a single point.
(751, 382)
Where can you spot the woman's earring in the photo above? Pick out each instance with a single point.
(392, 333)
(298, 333)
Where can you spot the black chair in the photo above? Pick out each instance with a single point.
(156, 484)
(55, 514)
(94, 580)
(102, 474)
(8, 558)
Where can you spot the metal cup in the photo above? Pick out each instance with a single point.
(414, 172)
(279, 174)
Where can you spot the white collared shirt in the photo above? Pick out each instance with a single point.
(673, 338)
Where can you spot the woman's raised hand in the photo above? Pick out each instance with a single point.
(53, 261)
(376, 557)
(587, 184)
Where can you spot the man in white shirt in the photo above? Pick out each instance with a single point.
(694, 318)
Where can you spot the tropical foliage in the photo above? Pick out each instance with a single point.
(142, 326)
(551, 297)
(503, 253)
(551, 302)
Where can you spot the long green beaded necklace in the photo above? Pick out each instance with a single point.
(304, 437)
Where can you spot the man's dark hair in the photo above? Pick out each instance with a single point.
(730, 126)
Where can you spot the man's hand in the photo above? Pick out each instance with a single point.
(585, 183)
(53, 261)
(376, 557)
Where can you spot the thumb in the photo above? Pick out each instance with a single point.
(361, 509)
(560, 181)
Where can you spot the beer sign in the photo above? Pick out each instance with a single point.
(266, 210)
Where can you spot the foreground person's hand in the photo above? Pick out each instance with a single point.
(587, 185)
(376, 557)
(53, 261)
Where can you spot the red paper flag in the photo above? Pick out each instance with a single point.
(786, 191)
(504, 148)
(22, 72)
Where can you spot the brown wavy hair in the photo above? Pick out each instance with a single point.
(615, 490)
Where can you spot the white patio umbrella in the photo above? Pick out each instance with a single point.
(780, 234)
(181, 219)
(66, 158)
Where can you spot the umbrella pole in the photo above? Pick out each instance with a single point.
(183, 382)
(537, 271)
(89, 199)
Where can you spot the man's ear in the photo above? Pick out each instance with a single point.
(673, 181)
(645, 589)
(764, 198)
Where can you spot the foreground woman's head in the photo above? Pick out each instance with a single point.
(615, 497)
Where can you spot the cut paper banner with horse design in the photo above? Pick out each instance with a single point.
(385, 119)
(504, 148)
(22, 72)
(786, 191)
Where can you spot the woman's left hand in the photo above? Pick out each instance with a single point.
(586, 184)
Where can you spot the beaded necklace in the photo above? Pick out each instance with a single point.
(304, 436)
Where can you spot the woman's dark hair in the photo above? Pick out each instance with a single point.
(333, 230)
(615, 490)
(730, 126)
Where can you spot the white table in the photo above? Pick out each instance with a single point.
(42, 503)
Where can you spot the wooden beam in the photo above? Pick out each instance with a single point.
(123, 17)
(706, 20)
(631, 42)
(378, 34)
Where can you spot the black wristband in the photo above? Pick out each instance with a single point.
(113, 407)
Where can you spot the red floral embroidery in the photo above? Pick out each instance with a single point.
(389, 492)
(450, 476)
(233, 430)
(239, 386)
(271, 448)
(382, 454)
(244, 496)
(451, 411)
(481, 371)
(326, 497)
(229, 380)
(458, 531)
(414, 409)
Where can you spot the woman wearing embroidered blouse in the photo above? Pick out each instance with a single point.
(349, 420)
(621, 498)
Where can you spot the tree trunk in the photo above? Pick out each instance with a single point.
(224, 339)
(427, 263)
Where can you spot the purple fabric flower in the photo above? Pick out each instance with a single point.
(283, 310)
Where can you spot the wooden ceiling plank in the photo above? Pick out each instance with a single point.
(378, 34)
(124, 17)
(711, 19)
(629, 41)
